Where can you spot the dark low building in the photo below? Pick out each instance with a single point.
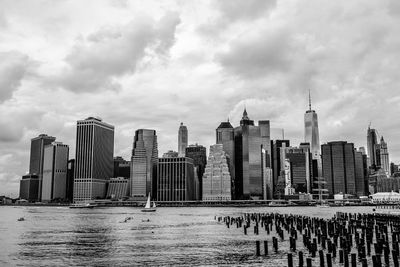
(29, 188)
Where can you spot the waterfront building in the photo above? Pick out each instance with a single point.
(217, 180)
(361, 173)
(93, 158)
(29, 187)
(384, 156)
(37, 156)
(122, 167)
(144, 164)
(182, 140)
(300, 160)
(277, 158)
(372, 145)
(249, 142)
(394, 169)
(311, 131)
(338, 165)
(170, 154)
(55, 167)
(199, 155)
(225, 135)
(118, 188)
(175, 179)
(70, 180)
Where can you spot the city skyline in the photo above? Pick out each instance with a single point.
(190, 66)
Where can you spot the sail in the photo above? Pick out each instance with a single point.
(148, 203)
(154, 204)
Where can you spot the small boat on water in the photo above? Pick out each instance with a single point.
(21, 219)
(83, 206)
(148, 208)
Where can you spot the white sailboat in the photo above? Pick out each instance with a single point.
(148, 208)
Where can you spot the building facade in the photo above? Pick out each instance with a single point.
(37, 157)
(199, 155)
(300, 160)
(118, 188)
(360, 171)
(182, 140)
(122, 167)
(175, 179)
(225, 135)
(248, 164)
(29, 187)
(384, 157)
(277, 157)
(55, 168)
(338, 165)
(94, 159)
(217, 180)
(311, 131)
(372, 144)
(144, 164)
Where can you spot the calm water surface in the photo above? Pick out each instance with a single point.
(59, 236)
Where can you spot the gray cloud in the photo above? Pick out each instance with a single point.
(13, 67)
(248, 10)
(94, 63)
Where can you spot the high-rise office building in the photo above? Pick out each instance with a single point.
(70, 180)
(29, 187)
(225, 135)
(175, 179)
(278, 160)
(36, 157)
(118, 188)
(93, 159)
(372, 143)
(55, 167)
(122, 167)
(144, 164)
(338, 165)
(384, 156)
(182, 140)
(300, 160)
(360, 171)
(248, 158)
(217, 180)
(199, 155)
(311, 132)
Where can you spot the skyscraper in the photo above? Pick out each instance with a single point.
(361, 179)
(225, 135)
(55, 167)
(338, 165)
(372, 142)
(217, 180)
(175, 179)
(199, 155)
(300, 161)
(311, 132)
(278, 160)
(94, 158)
(182, 140)
(122, 167)
(37, 156)
(384, 157)
(248, 159)
(144, 164)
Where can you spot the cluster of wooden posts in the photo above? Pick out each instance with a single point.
(344, 240)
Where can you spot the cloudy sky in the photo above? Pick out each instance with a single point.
(153, 64)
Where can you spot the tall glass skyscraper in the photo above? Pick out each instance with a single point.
(55, 167)
(372, 143)
(248, 160)
(182, 140)
(226, 136)
(311, 132)
(94, 158)
(144, 164)
(37, 157)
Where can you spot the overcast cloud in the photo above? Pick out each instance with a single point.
(154, 64)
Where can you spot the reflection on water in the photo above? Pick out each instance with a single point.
(171, 236)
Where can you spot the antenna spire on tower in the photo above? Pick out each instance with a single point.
(309, 98)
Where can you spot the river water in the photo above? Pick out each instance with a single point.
(59, 236)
